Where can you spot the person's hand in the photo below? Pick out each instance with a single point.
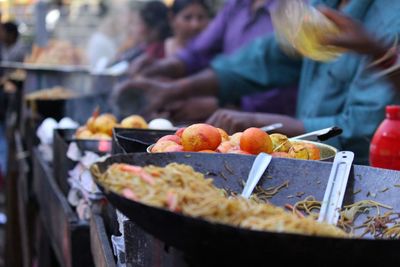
(139, 64)
(234, 121)
(157, 94)
(170, 67)
(352, 36)
(193, 109)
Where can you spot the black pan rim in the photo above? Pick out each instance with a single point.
(244, 231)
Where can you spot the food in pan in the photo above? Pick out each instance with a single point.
(179, 188)
(17, 75)
(100, 126)
(168, 143)
(313, 151)
(224, 135)
(134, 121)
(255, 141)
(55, 93)
(198, 137)
(205, 138)
(56, 53)
(103, 123)
(83, 133)
(298, 151)
(378, 224)
(281, 143)
(167, 146)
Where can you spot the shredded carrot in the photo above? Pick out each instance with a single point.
(172, 201)
(128, 193)
(147, 177)
(130, 168)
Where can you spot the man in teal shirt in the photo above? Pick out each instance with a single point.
(342, 93)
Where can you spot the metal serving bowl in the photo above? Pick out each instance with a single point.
(328, 152)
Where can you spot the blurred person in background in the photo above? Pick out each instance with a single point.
(160, 32)
(236, 24)
(148, 32)
(13, 48)
(1, 41)
(187, 18)
(102, 46)
(104, 43)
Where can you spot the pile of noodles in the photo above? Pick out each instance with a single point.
(180, 189)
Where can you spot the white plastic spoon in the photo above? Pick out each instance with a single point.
(260, 164)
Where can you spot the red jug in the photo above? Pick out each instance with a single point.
(385, 146)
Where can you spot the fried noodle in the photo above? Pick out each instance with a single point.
(180, 189)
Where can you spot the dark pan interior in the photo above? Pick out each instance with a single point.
(138, 140)
(223, 244)
(96, 146)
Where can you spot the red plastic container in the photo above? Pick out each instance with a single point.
(385, 146)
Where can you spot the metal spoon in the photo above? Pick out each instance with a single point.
(260, 164)
(271, 127)
(320, 135)
(336, 188)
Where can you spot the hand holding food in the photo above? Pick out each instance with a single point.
(353, 35)
(157, 93)
(234, 121)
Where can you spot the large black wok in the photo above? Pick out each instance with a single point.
(209, 244)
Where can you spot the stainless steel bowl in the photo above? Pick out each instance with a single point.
(328, 152)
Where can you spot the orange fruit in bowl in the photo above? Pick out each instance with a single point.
(173, 138)
(179, 132)
(165, 146)
(313, 151)
(235, 138)
(281, 142)
(224, 147)
(201, 136)
(224, 135)
(299, 151)
(255, 141)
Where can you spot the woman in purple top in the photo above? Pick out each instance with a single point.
(237, 24)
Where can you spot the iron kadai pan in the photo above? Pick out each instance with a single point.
(211, 244)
